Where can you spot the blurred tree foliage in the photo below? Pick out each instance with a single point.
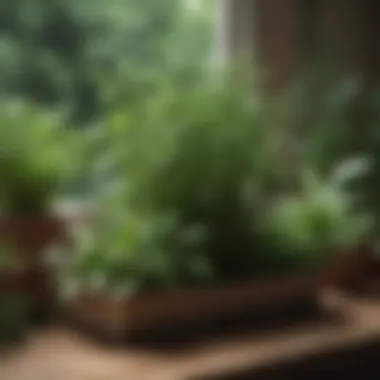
(56, 51)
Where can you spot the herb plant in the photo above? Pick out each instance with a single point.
(323, 219)
(35, 159)
(129, 254)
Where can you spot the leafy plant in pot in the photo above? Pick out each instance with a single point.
(33, 165)
(322, 225)
(335, 116)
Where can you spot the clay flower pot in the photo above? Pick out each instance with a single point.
(13, 280)
(30, 235)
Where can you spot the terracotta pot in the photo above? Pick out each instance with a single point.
(31, 234)
(180, 308)
(13, 280)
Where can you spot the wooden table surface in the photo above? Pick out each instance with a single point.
(60, 354)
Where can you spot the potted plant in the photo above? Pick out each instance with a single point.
(334, 115)
(182, 236)
(322, 223)
(34, 163)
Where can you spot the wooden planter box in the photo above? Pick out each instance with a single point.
(149, 312)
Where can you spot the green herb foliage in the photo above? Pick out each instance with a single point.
(35, 159)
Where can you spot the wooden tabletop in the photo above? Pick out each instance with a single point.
(59, 354)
